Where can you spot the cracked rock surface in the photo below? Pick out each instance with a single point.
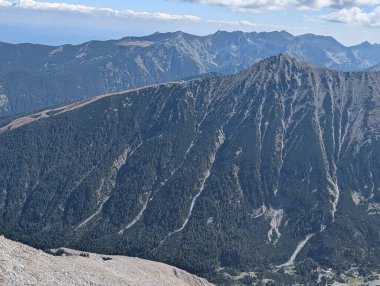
(24, 265)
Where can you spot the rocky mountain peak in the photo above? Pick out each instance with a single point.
(282, 157)
(74, 72)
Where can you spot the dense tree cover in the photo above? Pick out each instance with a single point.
(250, 155)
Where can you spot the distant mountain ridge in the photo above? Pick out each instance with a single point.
(277, 166)
(33, 77)
(328, 52)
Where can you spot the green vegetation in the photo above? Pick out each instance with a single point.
(121, 174)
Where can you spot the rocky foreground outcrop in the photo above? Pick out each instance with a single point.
(24, 265)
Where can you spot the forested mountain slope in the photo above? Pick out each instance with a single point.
(276, 165)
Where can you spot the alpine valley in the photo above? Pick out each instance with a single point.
(34, 77)
(270, 175)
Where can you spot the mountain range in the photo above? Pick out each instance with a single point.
(243, 175)
(33, 77)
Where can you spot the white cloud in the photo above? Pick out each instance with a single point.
(5, 3)
(247, 25)
(83, 9)
(233, 23)
(269, 5)
(354, 15)
(33, 5)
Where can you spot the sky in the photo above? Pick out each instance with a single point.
(57, 22)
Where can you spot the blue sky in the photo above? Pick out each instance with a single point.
(56, 22)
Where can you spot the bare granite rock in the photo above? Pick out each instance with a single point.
(24, 265)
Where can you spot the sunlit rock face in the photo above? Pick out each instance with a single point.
(24, 265)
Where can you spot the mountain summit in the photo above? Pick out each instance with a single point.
(34, 77)
(275, 166)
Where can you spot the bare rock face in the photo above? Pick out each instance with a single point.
(24, 265)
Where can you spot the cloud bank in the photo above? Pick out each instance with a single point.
(33, 5)
(83, 9)
(342, 11)
(354, 15)
(273, 5)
